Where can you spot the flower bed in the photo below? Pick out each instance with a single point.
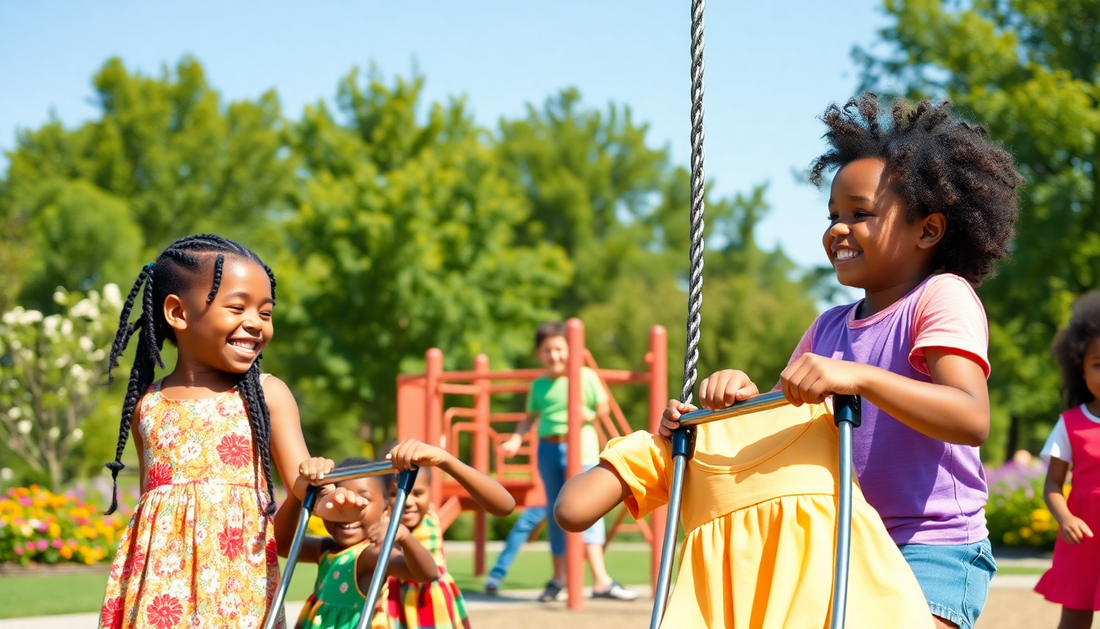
(38, 526)
(1016, 513)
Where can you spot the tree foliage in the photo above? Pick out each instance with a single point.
(395, 225)
(404, 238)
(1030, 70)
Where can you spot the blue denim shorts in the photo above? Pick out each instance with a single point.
(955, 579)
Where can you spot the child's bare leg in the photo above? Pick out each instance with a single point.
(600, 579)
(943, 623)
(1075, 618)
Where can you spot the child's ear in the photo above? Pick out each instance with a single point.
(174, 313)
(932, 230)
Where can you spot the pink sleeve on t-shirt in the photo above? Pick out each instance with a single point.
(804, 347)
(950, 316)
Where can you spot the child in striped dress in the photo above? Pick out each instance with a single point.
(435, 604)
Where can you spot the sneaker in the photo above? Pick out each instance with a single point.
(492, 587)
(552, 591)
(617, 592)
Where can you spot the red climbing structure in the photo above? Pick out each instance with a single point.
(452, 408)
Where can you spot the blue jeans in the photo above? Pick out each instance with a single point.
(552, 471)
(520, 533)
(954, 578)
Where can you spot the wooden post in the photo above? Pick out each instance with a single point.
(433, 411)
(658, 400)
(480, 456)
(574, 543)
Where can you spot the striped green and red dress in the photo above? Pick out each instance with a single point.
(433, 605)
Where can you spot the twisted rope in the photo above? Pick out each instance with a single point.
(695, 279)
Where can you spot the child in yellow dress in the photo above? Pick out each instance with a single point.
(759, 510)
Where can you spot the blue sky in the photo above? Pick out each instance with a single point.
(771, 67)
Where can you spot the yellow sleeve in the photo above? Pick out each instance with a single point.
(641, 460)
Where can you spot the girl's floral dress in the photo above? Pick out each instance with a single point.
(198, 551)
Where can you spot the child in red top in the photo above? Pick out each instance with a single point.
(1074, 579)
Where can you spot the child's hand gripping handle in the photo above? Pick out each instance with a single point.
(405, 481)
(292, 559)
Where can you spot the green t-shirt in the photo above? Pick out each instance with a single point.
(550, 400)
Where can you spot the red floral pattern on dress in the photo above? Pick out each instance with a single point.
(135, 563)
(272, 552)
(111, 614)
(235, 450)
(159, 474)
(198, 550)
(229, 540)
(164, 612)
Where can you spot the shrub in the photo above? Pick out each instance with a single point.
(1016, 513)
(38, 526)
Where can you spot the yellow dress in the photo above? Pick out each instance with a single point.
(759, 510)
(198, 551)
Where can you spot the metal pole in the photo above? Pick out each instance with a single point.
(847, 415)
(405, 482)
(292, 558)
(683, 447)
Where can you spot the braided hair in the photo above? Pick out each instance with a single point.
(176, 269)
(937, 163)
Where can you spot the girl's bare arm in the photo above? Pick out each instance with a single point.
(589, 496)
(485, 491)
(286, 522)
(410, 561)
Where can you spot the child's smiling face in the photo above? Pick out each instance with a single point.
(229, 333)
(373, 490)
(416, 504)
(553, 352)
(870, 241)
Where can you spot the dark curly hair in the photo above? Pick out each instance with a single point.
(179, 267)
(937, 163)
(1070, 345)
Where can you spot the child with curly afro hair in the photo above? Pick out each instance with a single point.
(921, 208)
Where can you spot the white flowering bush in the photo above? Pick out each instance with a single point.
(50, 371)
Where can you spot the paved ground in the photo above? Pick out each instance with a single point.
(1011, 605)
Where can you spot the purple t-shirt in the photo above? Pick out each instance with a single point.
(926, 491)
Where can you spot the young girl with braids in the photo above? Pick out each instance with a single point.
(921, 208)
(200, 549)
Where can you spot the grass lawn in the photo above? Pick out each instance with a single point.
(70, 594)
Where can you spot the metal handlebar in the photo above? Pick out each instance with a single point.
(846, 414)
(405, 482)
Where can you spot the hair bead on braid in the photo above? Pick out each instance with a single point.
(176, 269)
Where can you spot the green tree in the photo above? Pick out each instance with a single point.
(405, 238)
(591, 180)
(165, 158)
(1030, 70)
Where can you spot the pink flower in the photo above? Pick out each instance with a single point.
(30, 546)
(159, 474)
(19, 550)
(235, 450)
(26, 502)
(230, 542)
(164, 612)
(57, 544)
(110, 617)
(43, 544)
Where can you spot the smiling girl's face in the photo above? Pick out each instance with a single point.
(373, 490)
